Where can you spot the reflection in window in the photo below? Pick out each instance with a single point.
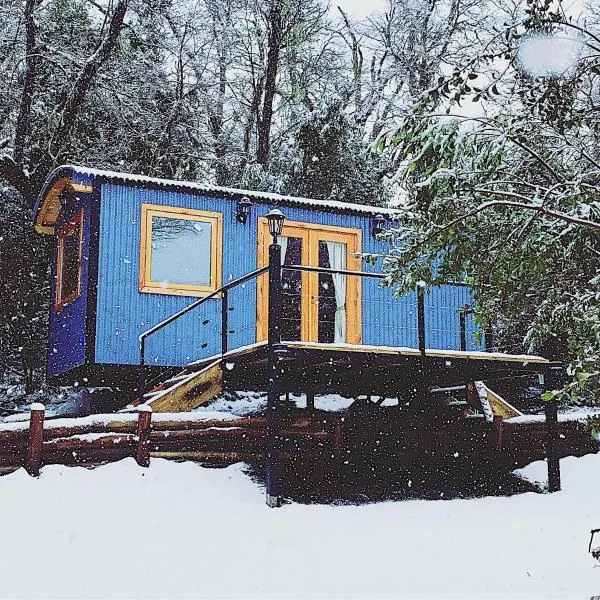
(180, 250)
(68, 272)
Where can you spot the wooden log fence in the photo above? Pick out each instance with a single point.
(98, 439)
(91, 441)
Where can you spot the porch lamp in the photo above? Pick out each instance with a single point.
(377, 224)
(242, 210)
(275, 219)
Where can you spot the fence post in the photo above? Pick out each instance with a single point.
(498, 427)
(34, 445)
(142, 454)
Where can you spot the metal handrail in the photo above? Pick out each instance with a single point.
(202, 300)
(355, 273)
(333, 271)
(223, 292)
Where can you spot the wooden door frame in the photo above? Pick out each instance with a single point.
(312, 233)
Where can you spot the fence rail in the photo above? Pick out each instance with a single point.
(94, 440)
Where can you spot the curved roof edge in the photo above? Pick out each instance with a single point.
(46, 203)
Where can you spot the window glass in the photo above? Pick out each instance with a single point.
(181, 251)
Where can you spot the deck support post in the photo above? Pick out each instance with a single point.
(274, 351)
(552, 453)
(310, 401)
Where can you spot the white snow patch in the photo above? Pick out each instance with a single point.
(249, 403)
(207, 533)
(105, 419)
(275, 198)
(575, 415)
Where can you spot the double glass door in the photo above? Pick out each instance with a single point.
(317, 307)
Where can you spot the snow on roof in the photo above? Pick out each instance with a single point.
(271, 197)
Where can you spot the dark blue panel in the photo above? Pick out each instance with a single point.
(67, 332)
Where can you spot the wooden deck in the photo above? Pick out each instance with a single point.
(352, 370)
(345, 369)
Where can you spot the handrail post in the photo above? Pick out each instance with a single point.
(463, 329)
(142, 372)
(272, 470)
(421, 316)
(224, 321)
(488, 339)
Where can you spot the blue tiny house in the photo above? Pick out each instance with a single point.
(132, 250)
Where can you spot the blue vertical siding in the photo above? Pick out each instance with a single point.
(67, 331)
(443, 305)
(123, 312)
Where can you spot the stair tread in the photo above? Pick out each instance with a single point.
(188, 389)
(181, 377)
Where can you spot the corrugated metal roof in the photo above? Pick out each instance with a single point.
(143, 180)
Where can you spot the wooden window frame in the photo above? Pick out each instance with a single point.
(76, 222)
(311, 234)
(146, 285)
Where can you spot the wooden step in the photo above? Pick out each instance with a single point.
(190, 391)
(180, 377)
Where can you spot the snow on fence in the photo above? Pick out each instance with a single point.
(98, 439)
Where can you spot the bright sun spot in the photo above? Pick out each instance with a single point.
(552, 55)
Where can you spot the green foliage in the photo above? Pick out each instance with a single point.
(508, 201)
(335, 163)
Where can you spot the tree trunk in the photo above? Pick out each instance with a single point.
(84, 81)
(266, 110)
(216, 118)
(24, 117)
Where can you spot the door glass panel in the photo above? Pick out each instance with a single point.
(332, 293)
(291, 254)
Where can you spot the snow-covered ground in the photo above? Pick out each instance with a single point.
(180, 530)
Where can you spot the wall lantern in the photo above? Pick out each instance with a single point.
(242, 210)
(377, 224)
(275, 219)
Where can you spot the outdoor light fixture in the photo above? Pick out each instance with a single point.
(377, 224)
(242, 210)
(275, 219)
